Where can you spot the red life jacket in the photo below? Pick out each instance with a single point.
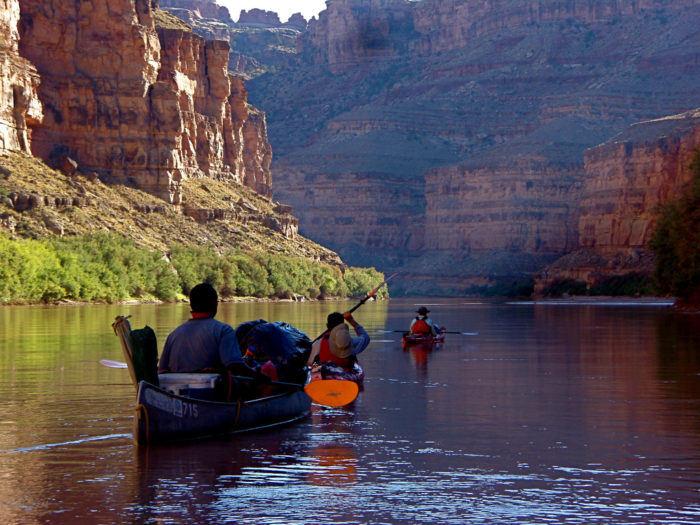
(421, 327)
(325, 354)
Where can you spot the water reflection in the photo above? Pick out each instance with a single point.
(552, 414)
(420, 353)
(334, 455)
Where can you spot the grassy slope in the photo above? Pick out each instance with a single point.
(93, 205)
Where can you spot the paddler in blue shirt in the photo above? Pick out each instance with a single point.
(203, 344)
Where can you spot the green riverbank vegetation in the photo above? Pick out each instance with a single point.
(106, 267)
(88, 238)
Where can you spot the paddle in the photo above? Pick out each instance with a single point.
(113, 364)
(442, 332)
(332, 392)
(326, 392)
(362, 301)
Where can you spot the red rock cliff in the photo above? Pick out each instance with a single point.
(135, 102)
(19, 104)
(627, 178)
(448, 25)
(351, 31)
(201, 8)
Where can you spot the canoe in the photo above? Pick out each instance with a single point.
(166, 416)
(417, 339)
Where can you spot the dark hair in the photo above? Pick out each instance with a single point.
(334, 320)
(204, 299)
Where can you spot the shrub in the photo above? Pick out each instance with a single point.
(360, 281)
(625, 285)
(108, 267)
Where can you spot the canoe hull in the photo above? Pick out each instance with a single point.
(162, 416)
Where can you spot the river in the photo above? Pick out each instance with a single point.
(545, 413)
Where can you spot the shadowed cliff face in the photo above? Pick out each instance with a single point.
(449, 136)
(138, 101)
(627, 179)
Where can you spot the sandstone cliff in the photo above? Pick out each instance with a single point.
(464, 123)
(201, 8)
(259, 17)
(627, 179)
(122, 92)
(20, 108)
(259, 41)
(139, 101)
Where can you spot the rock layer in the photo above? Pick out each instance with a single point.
(19, 104)
(137, 101)
(481, 110)
(627, 179)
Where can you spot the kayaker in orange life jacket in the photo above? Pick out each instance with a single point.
(336, 345)
(422, 325)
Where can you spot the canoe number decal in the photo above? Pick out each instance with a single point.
(176, 407)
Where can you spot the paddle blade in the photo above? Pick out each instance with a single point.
(113, 364)
(332, 392)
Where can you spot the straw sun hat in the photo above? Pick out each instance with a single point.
(340, 341)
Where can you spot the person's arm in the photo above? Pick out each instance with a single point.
(410, 328)
(360, 342)
(434, 329)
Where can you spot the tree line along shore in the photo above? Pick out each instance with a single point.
(107, 268)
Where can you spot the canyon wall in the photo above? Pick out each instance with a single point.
(139, 101)
(448, 25)
(201, 8)
(465, 123)
(347, 33)
(627, 179)
(259, 41)
(20, 107)
(629, 176)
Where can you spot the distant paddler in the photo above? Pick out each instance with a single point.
(422, 325)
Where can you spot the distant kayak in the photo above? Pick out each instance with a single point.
(418, 339)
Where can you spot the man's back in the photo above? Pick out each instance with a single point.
(200, 344)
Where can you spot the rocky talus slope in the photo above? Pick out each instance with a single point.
(141, 129)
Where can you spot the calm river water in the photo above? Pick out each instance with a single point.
(547, 414)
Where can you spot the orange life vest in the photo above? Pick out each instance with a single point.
(325, 354)
(421, 327)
